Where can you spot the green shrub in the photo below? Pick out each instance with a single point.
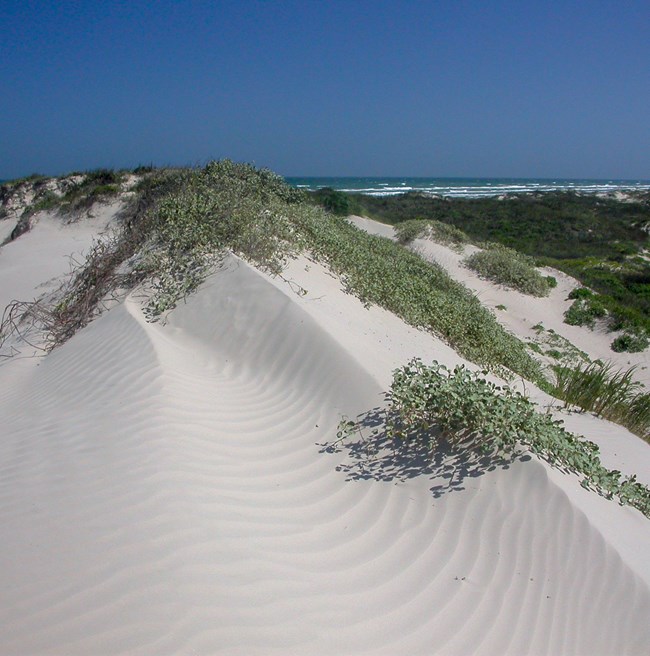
(407, 231)
(426, 402)
(507, 267)
(333, 201)
(630, 342)
(563, 226)
(551, 281)
(580, 292)
(584, 312)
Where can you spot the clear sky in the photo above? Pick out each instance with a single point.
(404, 88)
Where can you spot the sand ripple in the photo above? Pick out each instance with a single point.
(162, 491)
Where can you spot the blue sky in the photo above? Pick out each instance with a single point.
(449, 88)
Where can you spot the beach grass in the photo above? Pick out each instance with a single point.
(607, 392)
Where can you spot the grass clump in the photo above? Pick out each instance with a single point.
(408, 231)
(430, 403)
(611, 394)
(508, 267)
(95, 186)
(580, 292)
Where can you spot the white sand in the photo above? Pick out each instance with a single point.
(162, 490)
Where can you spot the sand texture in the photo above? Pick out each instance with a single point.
(165, 489)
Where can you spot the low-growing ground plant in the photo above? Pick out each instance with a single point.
(429, 403)
(551, 344)
(614, 395)
(562, 349)
(508, 267)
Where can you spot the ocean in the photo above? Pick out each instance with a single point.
(466, 187)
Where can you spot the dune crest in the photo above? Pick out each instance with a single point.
(164, 489)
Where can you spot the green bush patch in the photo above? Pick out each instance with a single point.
(630, 342)
(507, 267)
(437, 231)
(584, 312)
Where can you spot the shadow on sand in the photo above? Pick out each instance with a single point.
(374, 454)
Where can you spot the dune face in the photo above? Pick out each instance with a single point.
(164, 489)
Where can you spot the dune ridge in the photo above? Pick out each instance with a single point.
(165, 489)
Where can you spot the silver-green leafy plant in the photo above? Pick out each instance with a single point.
(427, 402)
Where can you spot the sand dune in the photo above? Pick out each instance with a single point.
(165, 489)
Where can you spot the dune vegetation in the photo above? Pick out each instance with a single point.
(428, 403)
(600, 241)
(443, 233)
(506, 266)
(179, 222)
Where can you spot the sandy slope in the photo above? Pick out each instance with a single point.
(163, 490)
